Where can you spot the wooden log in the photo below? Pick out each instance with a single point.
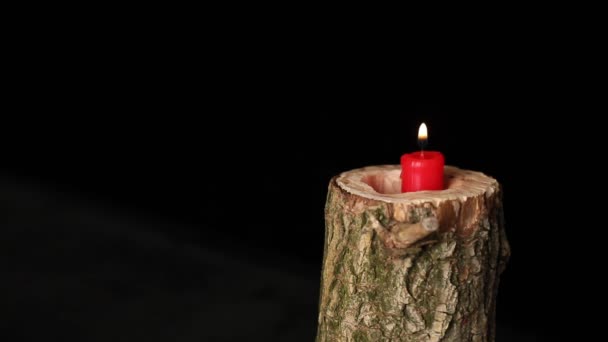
(420, 266)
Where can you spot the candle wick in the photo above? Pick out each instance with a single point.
(422, 145)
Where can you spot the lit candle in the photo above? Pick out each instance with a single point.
(422, 170)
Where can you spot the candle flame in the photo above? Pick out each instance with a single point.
(422, 132)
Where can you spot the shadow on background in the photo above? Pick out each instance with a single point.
(73, 271)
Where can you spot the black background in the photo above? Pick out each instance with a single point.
(242, 154)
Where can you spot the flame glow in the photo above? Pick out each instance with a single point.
(422, 132)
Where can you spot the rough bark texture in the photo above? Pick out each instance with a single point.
(411, 267)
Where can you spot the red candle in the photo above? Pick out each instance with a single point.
(422, 170)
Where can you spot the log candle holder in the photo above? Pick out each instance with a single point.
(420, 266)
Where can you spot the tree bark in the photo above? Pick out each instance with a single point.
(420, 266)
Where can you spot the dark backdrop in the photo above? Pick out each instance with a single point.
(244, 161)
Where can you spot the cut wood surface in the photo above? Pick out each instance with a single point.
(421, 266)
